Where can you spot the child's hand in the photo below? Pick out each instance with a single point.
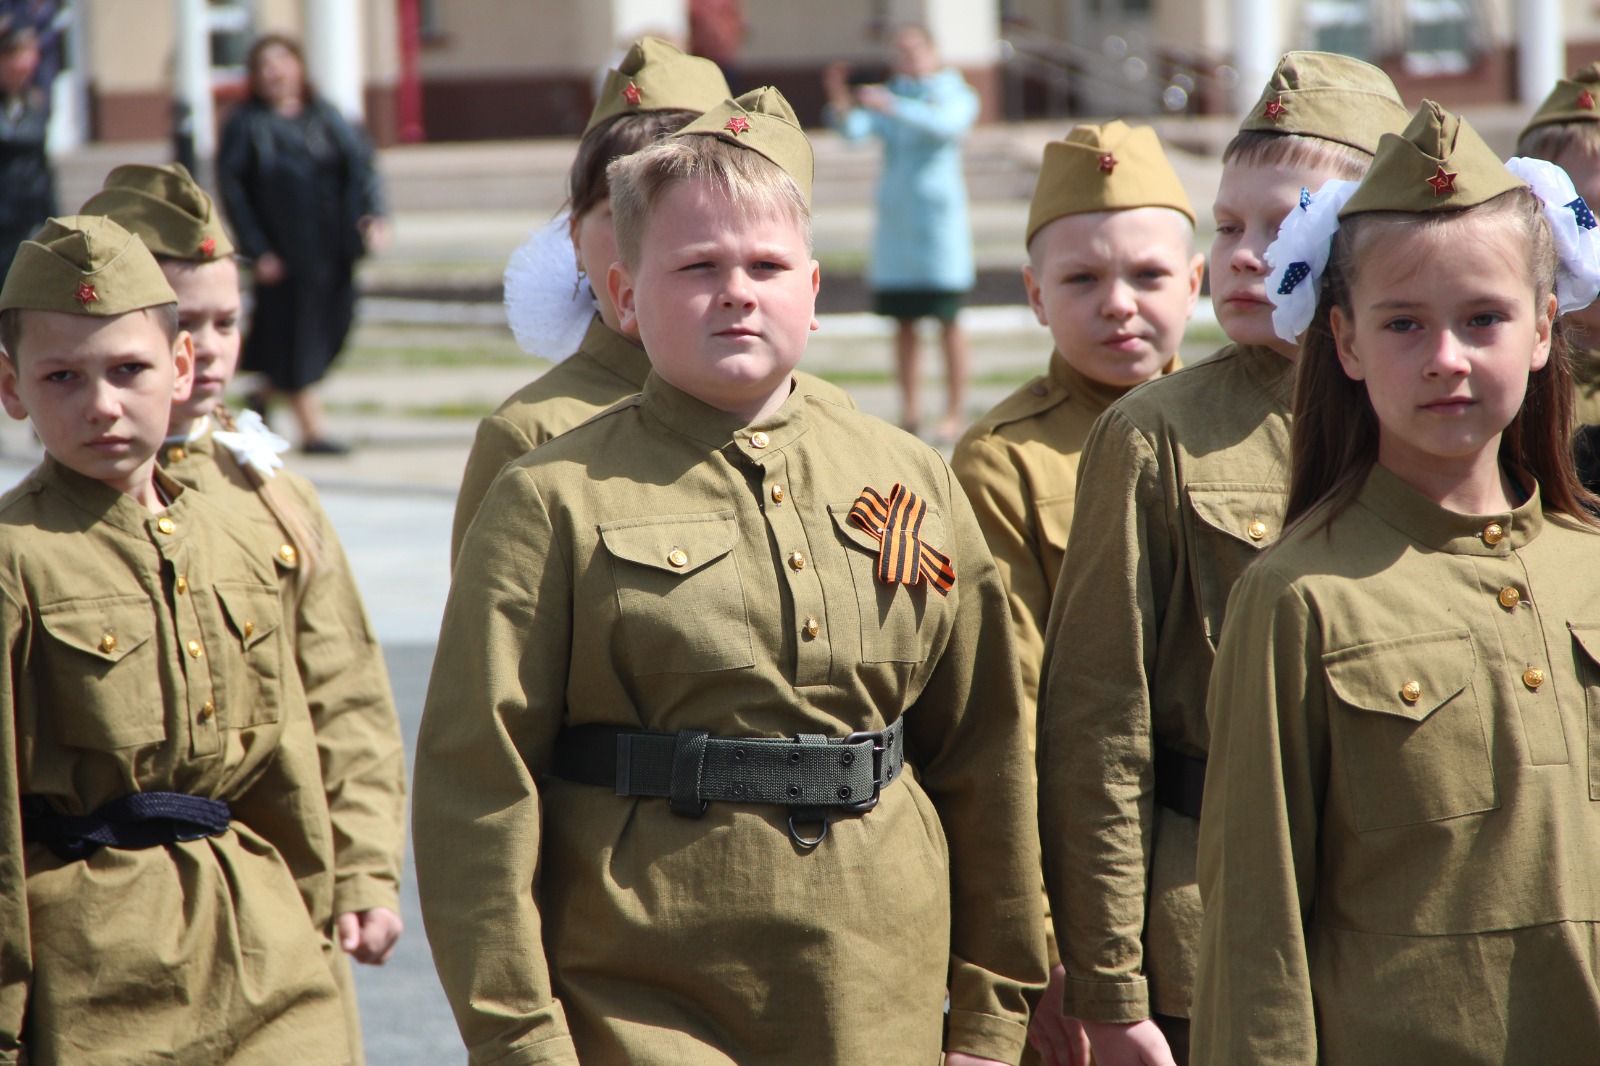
(1128, 1044)
(370, 935)
(1059, 1038)
(876, 98)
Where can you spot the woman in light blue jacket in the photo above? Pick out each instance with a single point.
(922, 251)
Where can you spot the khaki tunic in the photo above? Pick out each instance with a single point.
(149, 653)
(1586, 374)
(652, 938)
(1399, 852)
(1182, 483)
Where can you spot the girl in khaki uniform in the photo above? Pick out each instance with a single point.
(166, 890)
(338, 658)
(724, 758)
(1398, 852)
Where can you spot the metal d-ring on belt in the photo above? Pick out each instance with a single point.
(811, 774)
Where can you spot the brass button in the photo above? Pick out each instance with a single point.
(1039, 388)
(777, 494)
(166, 525)
(759, 439)
(176, 454)
(207, 709)
(182, 584)
(194, 649)
(287, 553)
(249, 629)
(812, 627)
(108, 643)
(1509, 597)
(797, 561)
(1533, 677)
(1256, 529)
(678, 557)
(1493, 533)
(1411, 692)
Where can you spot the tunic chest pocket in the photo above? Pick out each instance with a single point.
(103, 687)
(679, 593)
(893, 617)
(1586, 637)
(253, 614)
(1236, 521)
(1409, 737)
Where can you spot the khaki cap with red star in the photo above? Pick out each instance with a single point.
(1114, 167)
(166, 208)
(84, 265)
(656, 76)
(1574, 99)
(762, 121)
(1438, 164)
(1334, 97)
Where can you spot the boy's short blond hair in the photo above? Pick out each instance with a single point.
(749, 180)
(1259, 147)
(1552, 140)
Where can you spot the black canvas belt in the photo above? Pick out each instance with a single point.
(1180, 781)
(811, 774)
(137, 820)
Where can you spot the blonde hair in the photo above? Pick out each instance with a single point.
(1554, 139)
(754, 184)
(1298, 151)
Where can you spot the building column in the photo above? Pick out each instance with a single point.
(193, 75)
(1255, 27)
(1541, 55)
(333, 53)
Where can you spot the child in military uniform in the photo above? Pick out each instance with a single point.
(1113, 273)
(235, 462)
(165, 890)
(691, 648)
(1397, 854)
(1181, 484)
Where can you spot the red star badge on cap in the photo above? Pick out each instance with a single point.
(1276, 109)
(208, 247)
(1443, 182)
(1108, 163)
(86, 294)
(632, 94)
(737, 124)
(1586, 100)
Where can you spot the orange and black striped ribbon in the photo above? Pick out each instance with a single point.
(903, 558)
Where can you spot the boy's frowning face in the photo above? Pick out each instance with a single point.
(98, 390)
(209, 309)
(1116, 289)
(724, 303)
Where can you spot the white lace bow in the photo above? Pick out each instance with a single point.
(548, 306)
(253, 444)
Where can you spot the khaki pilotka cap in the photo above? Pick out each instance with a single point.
(1573, 99)
(1334, 97)
(85, 265)
(762, 121)
(166, 208)
(656, 76)
(1115, 167)
(1438, 164)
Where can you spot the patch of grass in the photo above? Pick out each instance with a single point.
(460, 409)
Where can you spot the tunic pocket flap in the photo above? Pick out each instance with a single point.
(1247, 513)
(253, 611)
(105, 629)
(1587, 634)
(680, 544)
(931, 534)
(1410, 677)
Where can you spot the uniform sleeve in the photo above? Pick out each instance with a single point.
(1095, 759)
(966, 734)
(1258, 839)
(495, 704)
(359, 745)
(235, 159)
(853, 124)
(497, 443)
(944, 115)
(16, 950)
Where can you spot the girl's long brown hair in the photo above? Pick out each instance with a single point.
(1335, 435)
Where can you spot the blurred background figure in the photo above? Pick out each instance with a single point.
(27, 187)
(303, 197)
(922, 264)
(716, 32)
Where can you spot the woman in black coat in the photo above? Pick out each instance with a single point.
(301, 192)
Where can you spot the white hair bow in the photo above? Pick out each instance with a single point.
(1299, 257)
(1574, 227)
(253, 444)
(548, 306)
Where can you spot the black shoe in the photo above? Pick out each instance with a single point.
(324, 446)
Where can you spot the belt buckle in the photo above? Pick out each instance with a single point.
(878, 748)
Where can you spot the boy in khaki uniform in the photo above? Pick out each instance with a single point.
(338, 659)
(165, 889)
(1181, 484)
(690, 649)
(1565, 130)
(1113, 273)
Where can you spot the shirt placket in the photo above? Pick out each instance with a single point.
(199, 690)
(1507, 594)
(808, 620)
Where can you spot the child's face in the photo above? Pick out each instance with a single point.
(208, 307)
(1584, 170)
(1444, 329)
(1252, 200)
(1116, 289)
(724, 303)
(99, 390)
(594, 239)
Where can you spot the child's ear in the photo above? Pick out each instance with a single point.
(1030, 285)
(816, 287)
(1344, 330)
(9, 396)
(1546, 326)
(1197, 276)
(619, 286)
(182, 366)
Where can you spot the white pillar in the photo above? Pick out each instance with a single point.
(333, 52)
(635, 18)
(193, 73)
(1541, 54)
(966, 32)
(1255, 27)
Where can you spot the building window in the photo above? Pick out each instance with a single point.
(231, 25)
(1342, 26)
(1441, 37)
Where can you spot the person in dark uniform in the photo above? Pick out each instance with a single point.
(27, 187)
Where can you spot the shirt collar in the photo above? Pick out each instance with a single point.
(106, 504)
(1436, 527)
(618, 354)
(699, 421)
(1098, 395)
